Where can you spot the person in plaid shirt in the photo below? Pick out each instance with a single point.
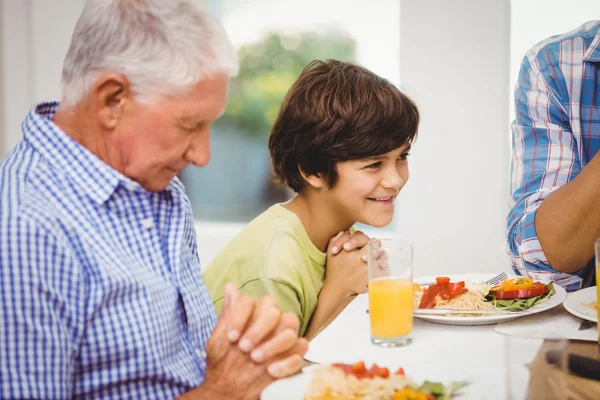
(555, 205)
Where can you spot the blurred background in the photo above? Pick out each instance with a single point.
(458, 59)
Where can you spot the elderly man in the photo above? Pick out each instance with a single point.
(555, 216)
(101, 294)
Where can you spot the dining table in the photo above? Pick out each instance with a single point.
(476, 354)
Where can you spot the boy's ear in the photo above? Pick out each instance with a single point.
(316, 181)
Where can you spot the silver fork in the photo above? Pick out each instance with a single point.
(496, 280)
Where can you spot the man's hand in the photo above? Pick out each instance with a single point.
(252, 345)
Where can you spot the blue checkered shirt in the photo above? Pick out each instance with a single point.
(101, 294)
(555, 135)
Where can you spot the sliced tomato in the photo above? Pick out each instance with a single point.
(400, 372)
(442, 280)
(457, 288)
(359, 368)
(537, 289)
(428, 298)
(376, 370)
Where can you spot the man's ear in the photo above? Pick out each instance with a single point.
(111, 93)
(317, 181)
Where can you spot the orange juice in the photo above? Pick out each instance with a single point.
(390, 307)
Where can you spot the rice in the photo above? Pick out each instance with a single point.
(329, 382)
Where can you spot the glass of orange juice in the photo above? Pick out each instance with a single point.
(598, 283)
(390, 291)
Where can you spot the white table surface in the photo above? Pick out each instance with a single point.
(438, 352)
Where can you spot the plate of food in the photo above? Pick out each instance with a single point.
(583, 304)
(360, 382)
(466, 300)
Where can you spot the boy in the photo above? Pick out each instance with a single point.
(341, 142)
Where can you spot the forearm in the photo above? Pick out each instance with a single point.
(568, 221)
(331, 302)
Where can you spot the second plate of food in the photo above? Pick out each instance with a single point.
(478, 298)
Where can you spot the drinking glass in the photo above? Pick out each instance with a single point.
(390, 291)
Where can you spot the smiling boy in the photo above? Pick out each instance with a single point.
(341, 142)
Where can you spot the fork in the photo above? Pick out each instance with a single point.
(496, 280)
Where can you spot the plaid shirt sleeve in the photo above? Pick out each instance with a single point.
(40, 304)
(545, 158)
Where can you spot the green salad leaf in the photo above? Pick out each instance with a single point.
(521, 304)
(441, 392)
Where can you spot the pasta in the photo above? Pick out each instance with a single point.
(329, 382)
(592, 306)
(357, 382)
(474, 299)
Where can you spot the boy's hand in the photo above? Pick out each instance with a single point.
(346, 271)
(344, 240)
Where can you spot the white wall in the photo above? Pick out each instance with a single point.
(2, 144)
(16, 83)
(536, 20)
(35, 39)
(454, 62)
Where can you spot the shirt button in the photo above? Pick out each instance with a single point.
(147, 223)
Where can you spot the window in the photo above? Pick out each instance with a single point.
(275, 41)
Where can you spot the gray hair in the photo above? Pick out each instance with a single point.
(161, 47)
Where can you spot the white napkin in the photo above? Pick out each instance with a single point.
(552, 324)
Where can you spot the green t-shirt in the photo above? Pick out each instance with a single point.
(272, 256)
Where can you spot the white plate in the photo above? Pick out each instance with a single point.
(295, 387)
(547, 304)
(575, 301)
(292, 388)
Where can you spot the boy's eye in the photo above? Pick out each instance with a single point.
(374, 165)
(404, 156)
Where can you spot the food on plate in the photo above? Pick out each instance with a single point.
(518, 293)
(453, 296)
(356, 381)
(592, 306)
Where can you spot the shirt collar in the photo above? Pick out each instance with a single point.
(96, 178)
(593, 52)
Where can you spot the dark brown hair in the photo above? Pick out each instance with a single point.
(337, 111)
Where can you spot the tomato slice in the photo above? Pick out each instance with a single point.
(445, 289)
(457, 288)
(400, 371)
(442, 280)
(428, 298)
(359, 368)
(537, 289)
